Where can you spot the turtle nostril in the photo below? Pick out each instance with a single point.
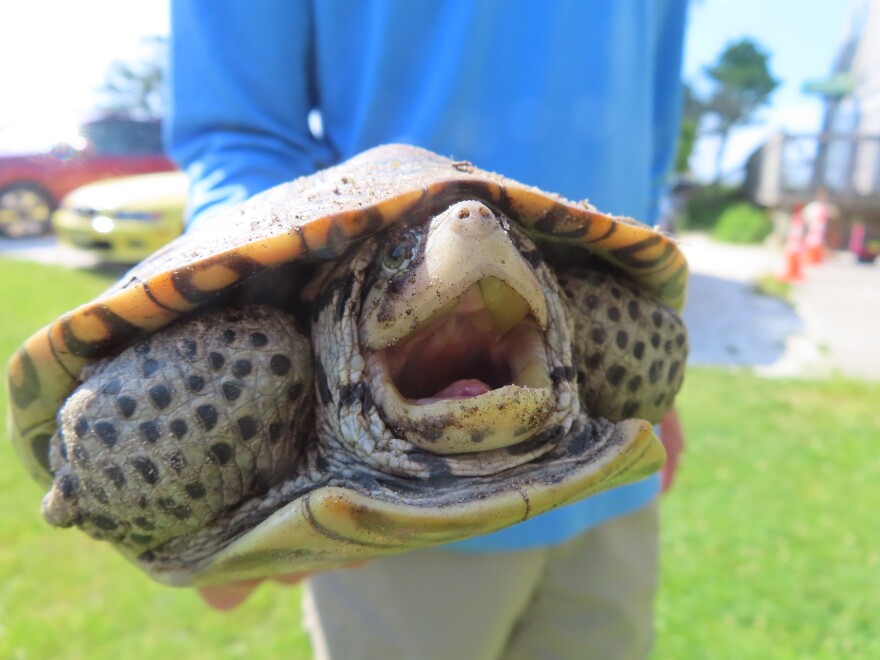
(472, 219)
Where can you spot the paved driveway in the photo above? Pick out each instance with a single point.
(834, 325)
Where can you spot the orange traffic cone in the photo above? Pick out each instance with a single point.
(816, 220)
(793, 249)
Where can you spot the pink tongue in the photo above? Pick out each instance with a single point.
(460, 389)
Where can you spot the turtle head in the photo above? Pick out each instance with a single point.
(453, 332)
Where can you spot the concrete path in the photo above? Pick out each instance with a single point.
(840, 306)
(833, 326)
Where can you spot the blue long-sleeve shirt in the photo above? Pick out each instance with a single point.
(579, 97)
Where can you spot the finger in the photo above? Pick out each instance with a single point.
(225, 597)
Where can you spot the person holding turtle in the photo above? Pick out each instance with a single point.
(581, 98)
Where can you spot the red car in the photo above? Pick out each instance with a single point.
(32, 185)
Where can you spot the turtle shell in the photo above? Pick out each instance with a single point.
(313, 218)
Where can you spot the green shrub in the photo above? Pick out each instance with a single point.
(742, 223)
(705, 206)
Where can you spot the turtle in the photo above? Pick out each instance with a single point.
(395, 352)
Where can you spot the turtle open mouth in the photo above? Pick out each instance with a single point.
(485, 339)
(473, 375)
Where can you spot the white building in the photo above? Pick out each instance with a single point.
(844, 159)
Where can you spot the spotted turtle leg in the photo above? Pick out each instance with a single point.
(182, 427)
(629, 347)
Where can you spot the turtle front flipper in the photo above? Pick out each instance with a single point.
(629, 347)
(181, 427)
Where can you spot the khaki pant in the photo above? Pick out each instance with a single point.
(591, 597)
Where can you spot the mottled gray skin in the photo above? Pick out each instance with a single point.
(182, 427)
(629, 347)
(187, 440)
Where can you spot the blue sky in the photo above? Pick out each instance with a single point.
(53, 54)
(46, 87)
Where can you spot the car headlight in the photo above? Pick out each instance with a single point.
(102, 224)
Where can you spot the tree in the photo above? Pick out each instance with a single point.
(742, 84)
(692, 113)
(136, 87)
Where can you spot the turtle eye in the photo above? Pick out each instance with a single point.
(399, 251)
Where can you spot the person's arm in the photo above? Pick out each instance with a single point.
(669, 32)
(241, 88)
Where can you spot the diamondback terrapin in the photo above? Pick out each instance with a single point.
(395, 352)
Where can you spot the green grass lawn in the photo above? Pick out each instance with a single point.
(770, 548)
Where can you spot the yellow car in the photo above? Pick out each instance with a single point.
(123, 220)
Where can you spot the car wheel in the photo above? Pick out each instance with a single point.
(25, 210)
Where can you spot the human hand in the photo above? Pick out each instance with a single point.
(226, 597)
(672, 437)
